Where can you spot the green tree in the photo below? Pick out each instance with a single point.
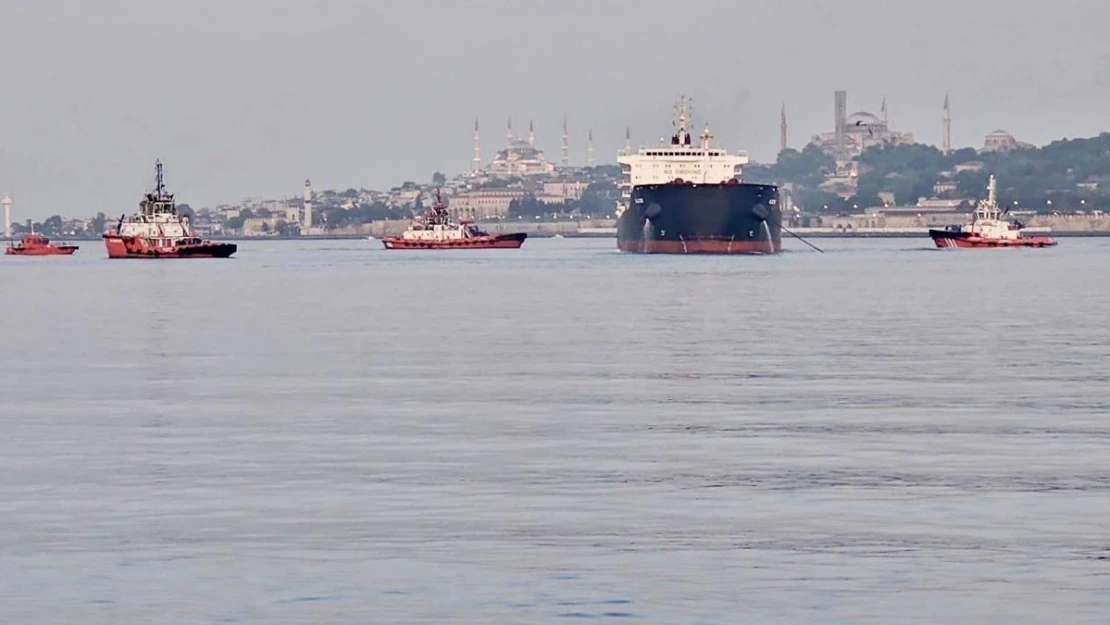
(598, 199)
(818, 201)
(438, 179)
(500, 183)
(98, 223)
(807, 168)
(52, 226)
(971, 183)
(528, 206)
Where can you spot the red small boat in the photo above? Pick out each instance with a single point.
(157, 232)
(988, 229)
(437, 232)
(38, 245)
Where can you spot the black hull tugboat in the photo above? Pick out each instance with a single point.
(682, 199)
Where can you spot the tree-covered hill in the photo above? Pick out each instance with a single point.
(1065, 175)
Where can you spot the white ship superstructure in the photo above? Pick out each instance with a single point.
(679, 159)
(157, 218)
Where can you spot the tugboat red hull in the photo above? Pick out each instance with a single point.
(36, 244)
(503, 241)
(53, 250)
(137, 247)
(946, 239)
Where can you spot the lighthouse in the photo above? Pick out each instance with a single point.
(307, 227)
(7, 201)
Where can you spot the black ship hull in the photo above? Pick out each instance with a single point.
(686, 218)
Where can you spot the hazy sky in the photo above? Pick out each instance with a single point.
(248, 97)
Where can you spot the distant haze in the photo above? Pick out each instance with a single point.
(248, 97)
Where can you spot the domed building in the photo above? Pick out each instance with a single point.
(1002, 141)
(852, 134)
(520, 157)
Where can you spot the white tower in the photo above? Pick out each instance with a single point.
(7, 216)
(627, 141)
(531, 134)
(590, 149)
(307, 207)
(566, 144)
(476, 164)
(509, 133)
(882, 111)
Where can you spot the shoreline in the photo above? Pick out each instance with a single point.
(802, 232)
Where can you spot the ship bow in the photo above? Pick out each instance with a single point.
(729, 218)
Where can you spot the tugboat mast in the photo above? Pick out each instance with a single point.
(160, 188)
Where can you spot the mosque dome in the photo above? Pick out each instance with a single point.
(1000, 141)
(863, 118)
(520, 150)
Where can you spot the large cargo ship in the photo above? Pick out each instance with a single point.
(678, 198)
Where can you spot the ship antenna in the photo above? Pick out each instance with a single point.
(158, 177)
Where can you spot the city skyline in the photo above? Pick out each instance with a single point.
(275, 96)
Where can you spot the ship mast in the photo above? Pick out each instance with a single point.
(988, 209)
(159, 187)
(681, 135)
(705, 138)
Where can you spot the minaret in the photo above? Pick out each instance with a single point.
(7, 201)
(627, 141)
(476, 164)
(566, 144)
(590, 148)
(509, 133)
(840, 119)
(946, 127)
(531, 134)
(782, 129)
(307, 207)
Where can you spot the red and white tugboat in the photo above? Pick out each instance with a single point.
(988, 229)
(157, 232)
(437, 232)
(38, 245)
